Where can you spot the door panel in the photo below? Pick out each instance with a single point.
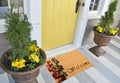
(58, 23)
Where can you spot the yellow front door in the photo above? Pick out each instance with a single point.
(58, 23)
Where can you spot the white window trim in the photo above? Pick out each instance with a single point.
(101, 9)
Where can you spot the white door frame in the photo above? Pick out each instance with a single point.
(35, 18)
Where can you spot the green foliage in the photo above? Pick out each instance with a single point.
(25, 54)
(18, 33)
(107, 20)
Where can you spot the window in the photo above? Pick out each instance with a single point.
(94, 5)
(3, 8)
(18, 6)
(98, 8)
(5, 4)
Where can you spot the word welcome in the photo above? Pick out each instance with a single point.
(77, 66)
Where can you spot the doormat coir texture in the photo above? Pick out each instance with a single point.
(67, 65)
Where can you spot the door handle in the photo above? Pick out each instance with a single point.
(77, 6)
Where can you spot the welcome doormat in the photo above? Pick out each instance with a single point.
(67, 65)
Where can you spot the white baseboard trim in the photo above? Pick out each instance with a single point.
(60, 50)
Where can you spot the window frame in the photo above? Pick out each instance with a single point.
(102, 7)
(4, 5)
(2, 20)
(5, 8)
(92, 11)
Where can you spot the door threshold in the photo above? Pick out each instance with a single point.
(60, 50)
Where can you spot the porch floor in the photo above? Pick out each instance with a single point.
(106, 68)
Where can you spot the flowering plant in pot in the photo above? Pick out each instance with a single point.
(106, 21)
(104, 31)
(24, 58)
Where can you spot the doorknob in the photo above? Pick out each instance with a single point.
(77, 6)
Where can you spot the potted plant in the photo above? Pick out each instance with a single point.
(104, 31)
(24, 58)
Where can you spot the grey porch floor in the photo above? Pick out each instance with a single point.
(106, 68)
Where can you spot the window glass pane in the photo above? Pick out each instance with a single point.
(97, 2)
(3, 3)
(18, 7)
(92, 1)
(96, 5)
(91, 5)
(3, 8)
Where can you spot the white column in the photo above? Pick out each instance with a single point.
(82, 22)
(33, 11)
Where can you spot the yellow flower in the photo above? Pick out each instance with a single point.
(31, 48)
(116, 30)
(34, 48)
(19, 63)
(113, 31)
(100, 29)
(34, 57)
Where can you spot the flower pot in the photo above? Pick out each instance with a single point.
(100, 40)
(22, 77)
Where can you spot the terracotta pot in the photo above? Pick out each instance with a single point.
(100, 40)
(26, 76)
